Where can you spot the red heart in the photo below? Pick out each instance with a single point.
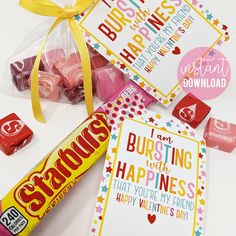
(176, 51)
(151, 218)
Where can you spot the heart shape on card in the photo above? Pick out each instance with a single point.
(151, 218)
(176, 51)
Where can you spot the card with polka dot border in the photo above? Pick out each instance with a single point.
(147, 39)
(154, 178)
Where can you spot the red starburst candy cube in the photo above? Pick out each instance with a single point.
(191, 110)
(220, 135)
(14, 134)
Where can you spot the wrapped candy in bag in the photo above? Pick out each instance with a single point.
(60, 74)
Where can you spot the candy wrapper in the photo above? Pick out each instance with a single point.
(60, 71)
(191, 110)
(220, 135)
(14, 134)
(46, 185)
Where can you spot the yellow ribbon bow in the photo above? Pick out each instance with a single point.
(49, 8)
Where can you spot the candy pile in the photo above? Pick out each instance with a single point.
(60, 73)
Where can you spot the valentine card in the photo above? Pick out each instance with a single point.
(153, 181)
(146, 39)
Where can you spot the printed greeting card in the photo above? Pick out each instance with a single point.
(153, 181)
(146, 39)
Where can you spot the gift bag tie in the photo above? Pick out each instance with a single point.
(49, 8)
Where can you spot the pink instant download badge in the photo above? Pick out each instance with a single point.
(204, 72)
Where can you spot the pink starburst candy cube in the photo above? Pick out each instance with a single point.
(50, 86)
(220, 135)
(70, 69)
(51, 57)
(107, 81)
(97, 60)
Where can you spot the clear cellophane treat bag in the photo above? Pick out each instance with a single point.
(60, 76)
